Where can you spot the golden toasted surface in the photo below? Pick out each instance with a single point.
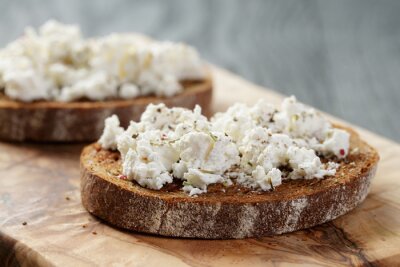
(107, 165)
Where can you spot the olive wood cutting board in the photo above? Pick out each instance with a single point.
(42, 221)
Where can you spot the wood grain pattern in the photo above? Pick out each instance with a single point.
(40, 186)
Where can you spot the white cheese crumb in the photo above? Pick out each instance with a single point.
(257, 147)
(56, 63)
(197, 180)
(112, 130)
(26, 85)
(129, 90)
(266, 181)
(337, 143)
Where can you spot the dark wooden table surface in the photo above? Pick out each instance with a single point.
(340, 56)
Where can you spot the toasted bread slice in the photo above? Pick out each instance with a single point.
(51, 121)
(224, 212)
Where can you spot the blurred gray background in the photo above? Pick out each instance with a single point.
(340, 56)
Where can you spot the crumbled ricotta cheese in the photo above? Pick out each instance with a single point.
(196, 181)
(208, 152)
(129, 90)
(336, 143)
(26, 85)
(264, 180)
(112, 131)
(258, 147)
(56, 63)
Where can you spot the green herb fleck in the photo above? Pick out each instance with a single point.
(213, 137)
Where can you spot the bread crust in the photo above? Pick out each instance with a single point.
(217, 215)
(51, 121)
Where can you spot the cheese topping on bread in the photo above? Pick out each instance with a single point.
(256, 146)
(56, 63)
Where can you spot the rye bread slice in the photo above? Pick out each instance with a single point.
(223, 212)
(51, 121)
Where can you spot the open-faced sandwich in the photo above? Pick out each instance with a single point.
(57, 86)
(250, 171)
